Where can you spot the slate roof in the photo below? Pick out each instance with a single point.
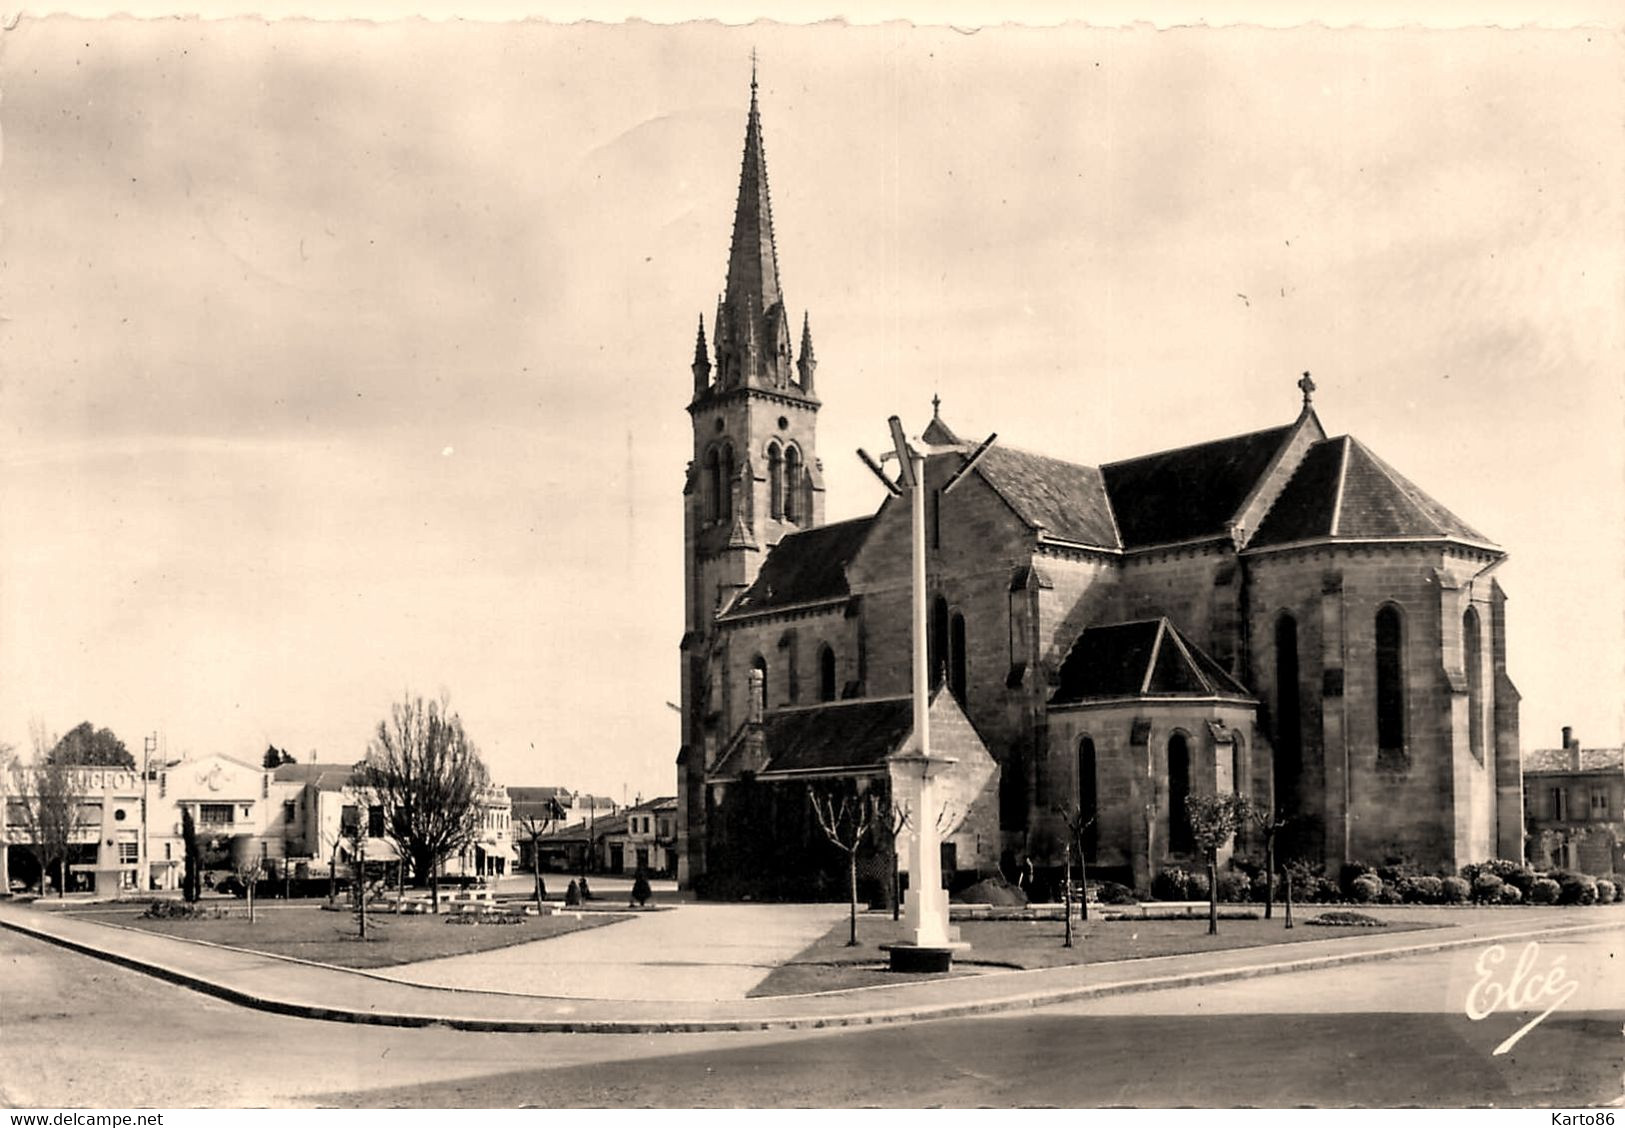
(805, 567)
(539, 794)
(1148, 658)
(849, 734)
(1064, 499)
(325, 777)
(1568, 760)
(1192, 492)
(1343, 490)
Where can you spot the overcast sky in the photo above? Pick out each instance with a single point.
(346, 360)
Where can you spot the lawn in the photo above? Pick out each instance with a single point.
(310, 933)
(829, 965)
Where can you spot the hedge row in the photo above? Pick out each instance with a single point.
(1495, 882)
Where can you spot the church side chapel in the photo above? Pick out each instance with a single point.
(1278, 614)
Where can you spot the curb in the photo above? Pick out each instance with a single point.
(1024, 1001)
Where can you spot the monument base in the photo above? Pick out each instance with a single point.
(919, 958)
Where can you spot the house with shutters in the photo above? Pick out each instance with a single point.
(1281, 614)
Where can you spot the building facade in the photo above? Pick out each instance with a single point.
(1574, 804)
(1279, 614)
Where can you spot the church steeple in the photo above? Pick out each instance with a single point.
(752, 330)
(702, 360)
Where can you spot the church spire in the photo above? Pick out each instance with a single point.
(702, 361)
(808, 364)
(752, 303)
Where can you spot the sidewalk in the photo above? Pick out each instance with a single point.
(317, 991)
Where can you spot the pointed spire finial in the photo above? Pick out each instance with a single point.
(1307, 386)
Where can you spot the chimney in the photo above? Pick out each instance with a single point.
(1568, 737)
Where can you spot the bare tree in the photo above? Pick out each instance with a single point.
(1270, 823)
(46, 802)
(535, 824)
(1078, 821)
(427, 776)
(246, 866)
(891, 819)
(845, 819)
(1214, 819)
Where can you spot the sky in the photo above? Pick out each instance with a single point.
(345, 361)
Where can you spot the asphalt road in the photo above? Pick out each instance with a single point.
(78, 1032)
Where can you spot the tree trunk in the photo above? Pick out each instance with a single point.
(1083, 881)
(896, 884)
(852, 878)
(537, 871)
(1269, 874)
(361, 885)
(252, 881)
(1212, 892)
(1067, 911)
(434, 888)
(1288, 898)
(62, 877)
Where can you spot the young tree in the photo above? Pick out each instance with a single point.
(90, 747)
(246, 866)
(1214, 819)
(845, 819)
(891, 819)
(1269, 823)
(1078, 821)
(46, 802)
(426, 774)
(534, 824)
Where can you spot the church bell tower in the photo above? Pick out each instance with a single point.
(754, 476)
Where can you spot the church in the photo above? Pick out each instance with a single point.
(1279, 614)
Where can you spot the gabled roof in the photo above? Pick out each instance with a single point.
(1342, 490)
(848, 734)
(1189, 493)
(1573, 760)
(1065, 500)
(1149, 658)
(804, 567)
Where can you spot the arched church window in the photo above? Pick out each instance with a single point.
(792, 486)
(956, 658)
(1180, 839)
(826, 673)
(1472, 641)
(1288, 715)
(1390, 686)
(711, 485)
(937, 642)
(725, 502)
(759, 664)
(775, 479)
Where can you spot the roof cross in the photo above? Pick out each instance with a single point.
(1307, 384)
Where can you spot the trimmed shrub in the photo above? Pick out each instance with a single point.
(1487, 888)
(1365, 888)
(1261, 883)
(992, 891)
(1510, 873)
(1235, 887)
(1510, 895)
(1544, 891)
(1196, 887)
(1456, 890)
(1605, 891)
(1418, 890)
(1389, 896)
(1111, 893)
(1577, 889)
(1619, 891)
(1348, 873)
(1170, 884)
